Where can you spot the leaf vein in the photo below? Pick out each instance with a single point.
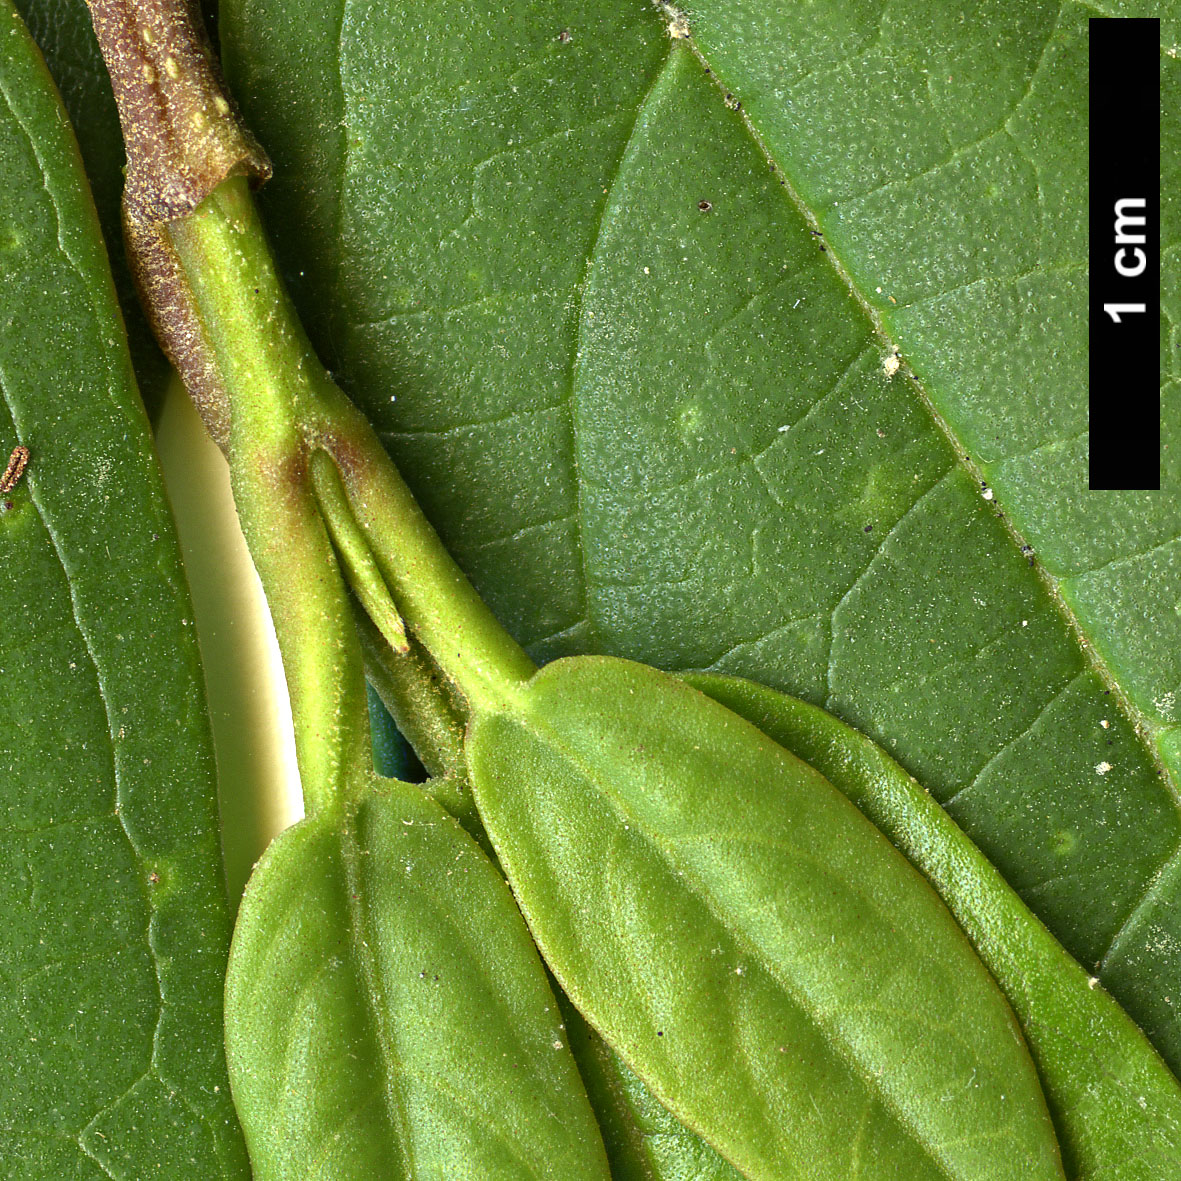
(1142, 904)
(877, 554)
(995, 758)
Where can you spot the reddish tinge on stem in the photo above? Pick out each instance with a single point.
(183, 138)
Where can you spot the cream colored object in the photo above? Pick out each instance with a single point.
(258, 779)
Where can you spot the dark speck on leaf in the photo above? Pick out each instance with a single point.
(704, 206)
(868, 528)
(564, 36)
(6, 506)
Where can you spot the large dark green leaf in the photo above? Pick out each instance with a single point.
(582, 287)
(962, 224)
(63, 31)
(115, 925)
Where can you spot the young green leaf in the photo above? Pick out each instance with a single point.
(387, 1013)
(777, 973)
(675, 433)
(1116, 1105)
(644, 1141)
(116, 927)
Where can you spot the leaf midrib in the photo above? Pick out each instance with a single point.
(362, 936)
(372, 1001)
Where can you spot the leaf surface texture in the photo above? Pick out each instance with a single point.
(754, 949)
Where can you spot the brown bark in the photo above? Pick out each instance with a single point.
(183, 137)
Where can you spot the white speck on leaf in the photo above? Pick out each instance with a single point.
(678, 23)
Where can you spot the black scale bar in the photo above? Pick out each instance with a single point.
(1125, 253)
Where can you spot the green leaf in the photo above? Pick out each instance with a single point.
(65, 36)
(772, 968)
(999, 165)
(1116, 1106)
(654, 413)
(644, 1141)
(116, 926)
(387, 1011)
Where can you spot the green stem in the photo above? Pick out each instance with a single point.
(283, 405)
(440, 607)
(206, 274)
(417, 697)
(260, 354)
(424, 709)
